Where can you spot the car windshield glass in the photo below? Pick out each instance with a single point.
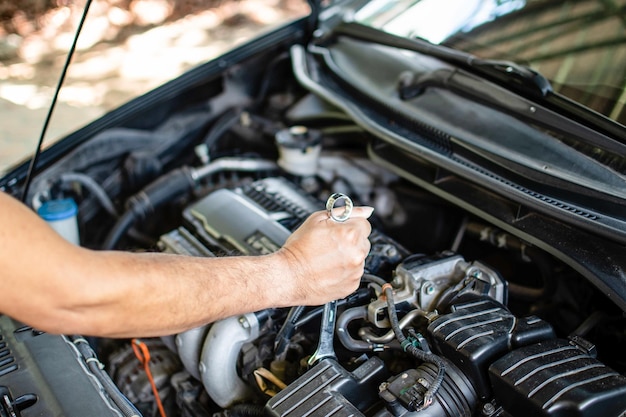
(580, 46)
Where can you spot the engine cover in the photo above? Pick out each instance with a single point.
(251, 220)
(329, 389)
(45, 375)
(557, 378)
(479, 332)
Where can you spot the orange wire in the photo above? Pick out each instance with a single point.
(143, 354)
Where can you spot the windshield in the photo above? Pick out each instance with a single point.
(580, 46)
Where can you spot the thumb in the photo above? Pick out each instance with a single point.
(362, 211)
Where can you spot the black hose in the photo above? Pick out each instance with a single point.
(373, 278)
(222, 125)
(94, 188)
(287, 330)
(431, 358)
(141, 205)
(120, 228)
(107, 145)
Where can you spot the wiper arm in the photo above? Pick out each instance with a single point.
(508, 74)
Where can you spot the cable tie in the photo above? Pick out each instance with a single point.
(98, 363)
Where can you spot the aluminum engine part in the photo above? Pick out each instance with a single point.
(422, 281)
(218, 361)
(252, 220)
(189, 347)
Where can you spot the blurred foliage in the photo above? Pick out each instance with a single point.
(26, 16)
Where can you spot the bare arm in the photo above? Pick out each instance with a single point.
(58, 287)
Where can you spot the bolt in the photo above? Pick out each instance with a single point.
(244, 322)
(391, 251)
(477, 273)
(488, 409)
(429, 289)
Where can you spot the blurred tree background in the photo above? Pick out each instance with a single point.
(126, 48)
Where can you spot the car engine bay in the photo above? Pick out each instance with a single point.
(490, 324)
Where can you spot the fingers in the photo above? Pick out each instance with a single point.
(329, 256)
(362, 212)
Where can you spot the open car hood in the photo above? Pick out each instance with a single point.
(502, 236)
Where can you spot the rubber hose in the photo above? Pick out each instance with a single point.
(144, 203)
(286, 331)
(94, 188)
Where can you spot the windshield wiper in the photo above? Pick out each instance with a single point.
(587, 126)
(511, 75)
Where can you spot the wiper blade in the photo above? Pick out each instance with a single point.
(516, 77)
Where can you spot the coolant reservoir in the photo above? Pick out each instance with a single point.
(299, 149)
(61, 216)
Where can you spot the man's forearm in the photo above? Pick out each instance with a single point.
(58, 287)
(158, 294)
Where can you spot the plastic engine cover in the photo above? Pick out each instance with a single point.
(557, 378)
(479, 332)
(329, 389)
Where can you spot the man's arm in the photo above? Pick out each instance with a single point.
(55, 286)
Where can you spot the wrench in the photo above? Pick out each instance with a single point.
(325, 349)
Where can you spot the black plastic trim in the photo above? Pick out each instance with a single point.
(555, 229)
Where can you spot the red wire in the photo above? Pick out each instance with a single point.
(143, 354)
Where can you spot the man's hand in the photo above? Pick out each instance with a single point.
(326, 258)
